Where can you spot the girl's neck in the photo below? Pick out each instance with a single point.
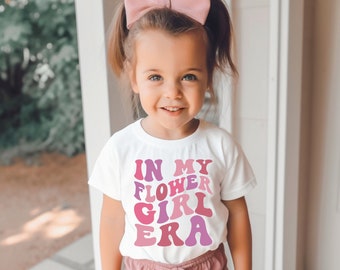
(169, 134)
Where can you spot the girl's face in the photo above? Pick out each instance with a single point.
(170, 75)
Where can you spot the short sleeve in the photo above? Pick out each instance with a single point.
(239, 178)
(105, 174)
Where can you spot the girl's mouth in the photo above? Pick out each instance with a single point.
(172, 109)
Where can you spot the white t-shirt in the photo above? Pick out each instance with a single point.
(171, 190)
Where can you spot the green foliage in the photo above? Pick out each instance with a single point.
(40, 97)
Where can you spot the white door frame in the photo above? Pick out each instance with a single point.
(95, 95)
(285, 67)
(284, 119)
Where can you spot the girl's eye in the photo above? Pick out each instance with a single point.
(189, 77)
(154, 77)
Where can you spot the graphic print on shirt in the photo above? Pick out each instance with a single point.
(159, 203)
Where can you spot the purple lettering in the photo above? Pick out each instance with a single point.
(192, 183)
(153, 168)
(198, 226)
(163, 215)
(139, 188)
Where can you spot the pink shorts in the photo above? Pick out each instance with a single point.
(211, 260)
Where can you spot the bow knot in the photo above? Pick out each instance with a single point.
(197, 10)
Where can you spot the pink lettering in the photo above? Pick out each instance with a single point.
(204, 184)
(204, 164)
(143, 236)
(176, 186)
(186, 167)
(181, 201)
(144, 217)
(200, 209)
(169, 230)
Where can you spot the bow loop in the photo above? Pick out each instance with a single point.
(197, 10)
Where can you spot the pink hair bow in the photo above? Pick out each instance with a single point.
(195, 9)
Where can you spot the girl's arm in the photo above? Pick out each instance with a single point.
(112, 222)
(239, 234)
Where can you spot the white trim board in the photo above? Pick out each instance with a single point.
(286, 22)
(95, 95)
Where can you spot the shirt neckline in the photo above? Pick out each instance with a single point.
(146, 137)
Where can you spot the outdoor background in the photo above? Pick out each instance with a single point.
(43, 182)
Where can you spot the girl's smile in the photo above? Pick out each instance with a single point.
(170, 75)
(172, 109)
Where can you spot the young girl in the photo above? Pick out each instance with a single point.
(173, 185)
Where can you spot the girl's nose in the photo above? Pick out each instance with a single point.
(173, 91)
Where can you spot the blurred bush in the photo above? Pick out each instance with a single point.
(40, 96)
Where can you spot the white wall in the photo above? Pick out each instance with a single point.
(251, 24)
(318, 240)
(323, 204)
(269, 46)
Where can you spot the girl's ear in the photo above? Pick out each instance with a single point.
(132, 77)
